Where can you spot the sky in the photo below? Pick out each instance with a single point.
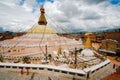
(71, 15)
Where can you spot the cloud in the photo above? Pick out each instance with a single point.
(93, 1)
(13, 17)
(73, 16)
(85, 15)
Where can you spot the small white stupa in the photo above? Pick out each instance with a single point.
(87, 52)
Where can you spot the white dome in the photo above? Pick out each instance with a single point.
(87, 53)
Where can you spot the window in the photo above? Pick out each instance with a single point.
(41, 68)
(80, 74)
(56, 70)
(34, 68)
(93, 71)
(71, 73)
(1, 66)
(20, 67)
(14, 66)
(7, 66)
(27, 68)
(49, 69)
(64, 72)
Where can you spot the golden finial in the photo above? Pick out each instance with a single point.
(88, 42)
(42, 19)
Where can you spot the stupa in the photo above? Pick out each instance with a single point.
(87, 51)
(37, 38)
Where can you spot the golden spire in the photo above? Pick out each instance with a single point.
(88, 43)
(42, 19)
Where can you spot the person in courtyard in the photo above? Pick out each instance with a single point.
(22, 71)
(28, 72)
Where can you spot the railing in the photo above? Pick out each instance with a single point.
(39, 67)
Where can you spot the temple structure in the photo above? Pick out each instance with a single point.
(42, 50)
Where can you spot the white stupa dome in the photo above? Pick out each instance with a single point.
(87, 52)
